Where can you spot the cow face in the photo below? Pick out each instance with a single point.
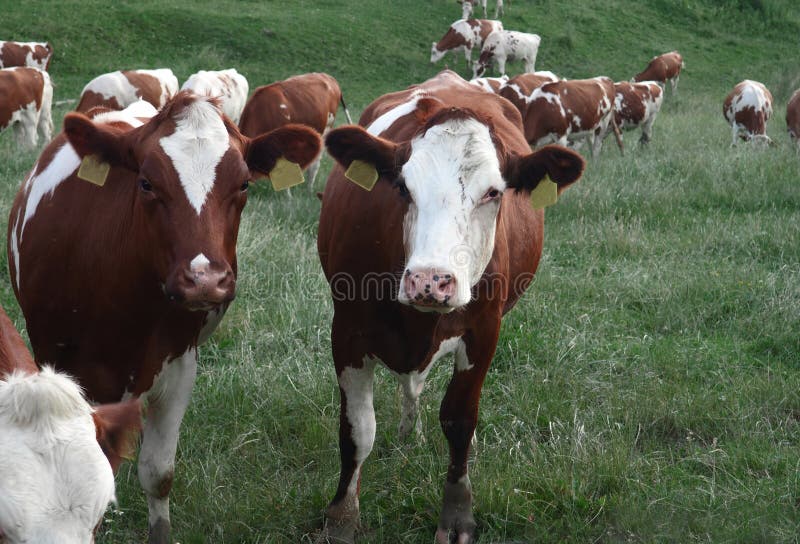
(55, 481)
(436, 55)
(454, 174)
(192, 170)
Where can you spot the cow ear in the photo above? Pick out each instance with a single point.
(350, 143)
(296, 143)
(107, 143)
(562, 165)
(117, 428)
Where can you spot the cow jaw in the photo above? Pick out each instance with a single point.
(449, 229)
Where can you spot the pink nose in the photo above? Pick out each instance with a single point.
(202, 287)
(429, 287)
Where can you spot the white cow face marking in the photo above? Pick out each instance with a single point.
(454, 182)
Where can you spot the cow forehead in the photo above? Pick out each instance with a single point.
(455, 161)
(196, 148)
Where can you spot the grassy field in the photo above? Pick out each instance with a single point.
(646, 389)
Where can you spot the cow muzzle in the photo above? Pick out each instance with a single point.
(428, 289)
(202, 286)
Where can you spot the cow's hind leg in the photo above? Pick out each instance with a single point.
(458, 416)
(167, 401)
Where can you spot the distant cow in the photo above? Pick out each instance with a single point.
(26, 98)
(663, 68)
(228, 85)
(122, 254)
(57, 452)
(518, 89)
(508, 45)
(467, 8)
(118, 90)
(579, 109)
(748, 108)
(793, 118)
(308, 99)
(637, 105)
(464, 35)
(31, 54)
(490, 84)
(426, 264)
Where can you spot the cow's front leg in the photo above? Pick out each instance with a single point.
(167, 401)
(458, 416)
(356, 436)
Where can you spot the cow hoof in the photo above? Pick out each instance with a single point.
(456, 524)
(334, 533)
(159, 532)
(443, 537)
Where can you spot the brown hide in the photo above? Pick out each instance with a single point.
(148, 88)
(793, 116)
(16, 54)
(662, 68)
(18, 88)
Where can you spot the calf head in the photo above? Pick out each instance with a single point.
(452, 174)
(192, 168)
(55, 481)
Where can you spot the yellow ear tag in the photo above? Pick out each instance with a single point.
(362, 174)
(545, 194)
(285, 174)
(93, 170)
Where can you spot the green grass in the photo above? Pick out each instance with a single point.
(646, 389)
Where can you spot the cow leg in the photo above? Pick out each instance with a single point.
(674, 83)
(498, 11)
(468, 56)
(167, 401)
(647, 131)
(411, 385)
(459, 416)
(356, 436)
(313, 168)
(734, 133)
(501, 66)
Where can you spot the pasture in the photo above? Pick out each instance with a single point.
(646, 388)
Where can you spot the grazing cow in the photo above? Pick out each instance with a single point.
(427, 263)
(793, 118)
(122, 254)
(467, 7)
(490, 84)
(507, 45)
(228, 85)
(579, 109)
(637, 105)
(26, 98)
(57, 453)
(747, 108)
(31, 54)
(308, 99)
(519, 89)
(663, 68)
(464, 35)
(118, 90)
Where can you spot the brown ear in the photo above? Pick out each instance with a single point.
(88, 138)
(296, 143)
(118, 427)
(563, 165)
(349, 143)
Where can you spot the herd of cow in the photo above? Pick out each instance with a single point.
(436, 189)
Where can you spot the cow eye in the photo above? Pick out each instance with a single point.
(244, 186)
(492, 194)
(145, 185)
(402, 189)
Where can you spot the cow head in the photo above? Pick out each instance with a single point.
(436, 54)
(55, 481)
(191, 168)
(453, 174)
(484, 62)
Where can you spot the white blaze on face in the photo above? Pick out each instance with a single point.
(448, 226)
(196, 148)
(55, 482)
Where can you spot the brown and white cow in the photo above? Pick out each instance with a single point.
(31, 54)
(57, 453)
(637, 105)
(228, 85)
(793, 118)
(464, 35)
(507, 45)
(308, 99)
(490, 84)
(427, 263)
(120, 283)
(118, 90)
(468, 7)
(747, 109)
(518, 89)
(663, 68)
(571, 111)
(26, 99)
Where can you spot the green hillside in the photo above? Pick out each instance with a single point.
(647, 387)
